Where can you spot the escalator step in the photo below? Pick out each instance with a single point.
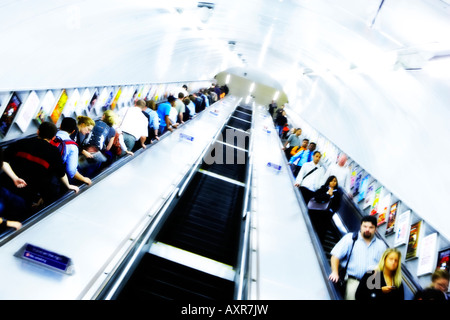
(240, 108)
(161, 279)
(242, 115)
(206, 219)
(239, 124)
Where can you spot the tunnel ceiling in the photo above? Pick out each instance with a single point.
(365, 64)
(90, 42)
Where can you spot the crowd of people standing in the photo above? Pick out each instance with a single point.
(39, 170)
(363, 265)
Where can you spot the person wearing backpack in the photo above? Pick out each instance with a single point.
(69, 150)
(36, 162)
(99, 143)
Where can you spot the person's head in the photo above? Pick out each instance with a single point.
(180, 95)
(312, 146)
(85, 124)
(141, 104)
(186, 101)
(171, 100)
(391, 262)
(342, 160)
(68, 125)
(305, 143)
(368, 226)
(316, 157)
(151, 104)
(109, 117)
(440, 280)
(298, 131)
(332, 182)
(47, 130)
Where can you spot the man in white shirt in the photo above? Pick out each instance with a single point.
(310, 177)
(134, 125)
(341, 172)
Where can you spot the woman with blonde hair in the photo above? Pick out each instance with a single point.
(84, 127)
(385, 281)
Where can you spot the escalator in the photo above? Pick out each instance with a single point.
(205, 222)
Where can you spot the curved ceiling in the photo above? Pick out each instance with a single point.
(372, 76)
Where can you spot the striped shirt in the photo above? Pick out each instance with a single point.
(364, 257)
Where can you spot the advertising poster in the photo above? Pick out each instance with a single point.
(391, 220)
(56, 114)
(45, 106)
(370, 195)
(84, 100)
(402, 228)
(444, 260)
(116, 99)
(72, 103)
(28, 111)
(376, 201)
(363, 188)
(413, 242)
(383, 208)
(357, 183)
(427, 254)
(9, 114)
(92, 102)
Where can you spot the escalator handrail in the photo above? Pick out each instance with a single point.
(243, 264)
(321, 257)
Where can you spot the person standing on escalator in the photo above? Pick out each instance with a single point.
(364, 250)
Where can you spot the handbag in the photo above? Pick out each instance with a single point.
(314, 205)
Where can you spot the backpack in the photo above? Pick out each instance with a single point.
(98, 135)
(60, 144)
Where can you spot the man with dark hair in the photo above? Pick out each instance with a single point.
(164, 116)
(39, 166)
(364, 250)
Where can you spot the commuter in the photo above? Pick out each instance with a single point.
(180, 108)
(204, 97)
(71, 154)
(217, 90)
(153, 121)
(293, 140)
(383, 283)
(213, 94)
(438, 289)
(309, 177)
(280, 122)
(164, 116)
(134, 126)
(11, 205)
(303, 146)
(341, 171)
(190, 109)
(365, 252)
(272, 107)
(199, 103)
(39, 164)
(327, 193)
(300, 158)
(102, 136)
(225, 89)
(99, 144)
(84, 126)
(184, 90)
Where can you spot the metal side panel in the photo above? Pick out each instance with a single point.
(287, 265)
(94, 228)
